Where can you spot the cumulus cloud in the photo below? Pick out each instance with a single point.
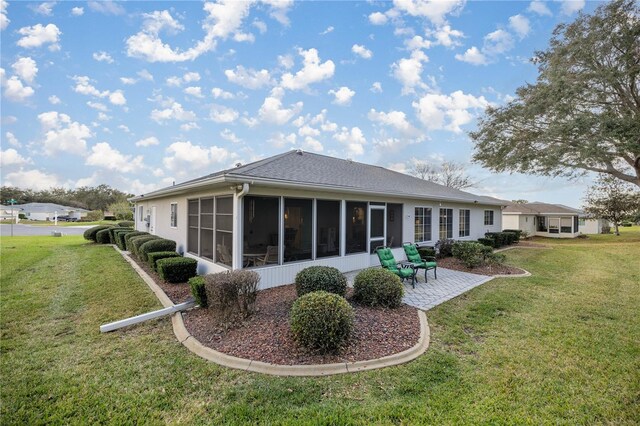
(539, 7)
(569, 7)
(272, 110)
(195, 91)
(150, 141)
(32, 179)
(433, 10)
(408, 71)
(498, 41)
(61, 134)
(105, 156)
(189, 126)
(218, 93)
(173, 112)
(495, 44)
(376, 87)
(117, 98)
(448, 112)
(145, 75)
(280, 140)
(38, 35)
(228, 135)
(97, 105)
(77, 11)
(128, 80)
(26, 69)
(342, 96)
(222, 114)
(182, 158)
(362, 51)
(394, 119)
(446, 36)
(102, 56)
(286, 61)
(249, 78)
(14, 90)
(472, 56)
(11, 157)
(378, 18)
(11, 139)
(261, 26)
(520, 24)
(353, 140)
(106, 7)
(54, 100)
(45, 8)
(4, 21)
(84, 86)
(313, 71)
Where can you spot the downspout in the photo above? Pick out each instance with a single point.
(236, 261)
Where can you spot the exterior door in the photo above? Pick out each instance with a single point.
(377, 227)
(152, 221)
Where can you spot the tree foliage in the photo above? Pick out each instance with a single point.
(612, 199)
(449, 174)
(90, 198)
(122, 210)
(583, 112)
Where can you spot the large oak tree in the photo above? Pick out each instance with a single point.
(583, 112)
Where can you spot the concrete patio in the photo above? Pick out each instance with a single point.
(449, 284)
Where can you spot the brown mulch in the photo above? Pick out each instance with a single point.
(178, 292)
(457, 265)
(266, 336)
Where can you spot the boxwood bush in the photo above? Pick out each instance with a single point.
(321, 320)
(129, 236)
(119, 236)
(126, 223)
(378, 287)
(112, 229)
(518, 232)
(177, 269)
(136, 242)
(426, 252)
(102, 236)
(90, 234)
(324, 278)
(153, 257)
(471, 253)
(198, 290)
(489, 242)
(160, 244)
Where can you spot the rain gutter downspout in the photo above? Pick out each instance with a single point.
(236, 262)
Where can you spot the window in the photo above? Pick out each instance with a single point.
(356, 227)
(210, 220)
(422, 229)
(576, 223)
(224, 230)
(394, 225)
(193, 224)
(581, 222)
(542, 224)
(565, 225)
(328, 228)
(298, 229)
(446, 223)
(174, 215)
(465, 222)
(376, 230)
(261, 231)
(488, 217)
(141, 210)
(206, 228)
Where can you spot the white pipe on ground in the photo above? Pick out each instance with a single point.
(149, 315)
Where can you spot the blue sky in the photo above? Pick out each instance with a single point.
(140, 94)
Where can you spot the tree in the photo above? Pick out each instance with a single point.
(121, 210)
(583, 112)
(449, 174)
(612, 199)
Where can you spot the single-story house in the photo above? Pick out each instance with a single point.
(284, 213)
(587, 225)
(49, 211)
(9, 212)
(542, 219)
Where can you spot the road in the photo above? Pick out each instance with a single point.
(33, 230)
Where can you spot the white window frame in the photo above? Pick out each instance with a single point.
(141, 210)
(464, 231)
(446, 225)
(423, 227)
(492, 216)
(173, 216)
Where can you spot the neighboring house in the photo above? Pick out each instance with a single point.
(546, 220)
(49, 211)
(592, 226)
(9, 212)
(297, 209)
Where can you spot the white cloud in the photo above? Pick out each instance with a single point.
(280, 140)
(228, 135)
(433, 10)
(342, 96)
(272, 110)
(45, 8)
(377, 18)
(307, 130)
(38, 35)
(312, 144)
(13, 141)
(84, 87)
(124, 128)
(286, 61)
(145, 75)
(32, 179)
(11, 157)
(353, 140)
(183, 157)
(497, 42)
(150, 141)
(539, 7)
(188, 77)
(218, 93)
(4, 21)
(62, 134)
(408, 71)
(191, 77)
(376, 87)
(173, 112)
(520, 24)
(472, 56)
(26, 69)
(104, 117)
(14, 90)
(77, 11)
(327, 31)
(313, 71)
(395, 119)
(249, 78)
(106, 7)
(448, 112)
(104, 156)
(117, 98)
(97, 105)
(569, 7)
(447, 36)
(417, 42)
(222, 114)
(189, 126)
(174, 81)
(361, 51)
(261, 26)
(128, 80)
(54, 100)
(103, 56)
(195, 91)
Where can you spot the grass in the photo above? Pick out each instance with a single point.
(561, 347)
(63, 223)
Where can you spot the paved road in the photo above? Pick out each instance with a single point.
(31, 230)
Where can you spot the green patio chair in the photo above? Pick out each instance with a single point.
(425, 263)
(387, 261)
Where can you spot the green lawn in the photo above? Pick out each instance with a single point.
(62, 223)
(560, 347)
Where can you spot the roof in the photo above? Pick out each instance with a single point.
(47, 208)
(539, 208)
(303, 169)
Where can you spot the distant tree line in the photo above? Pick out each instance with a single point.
(100, 197)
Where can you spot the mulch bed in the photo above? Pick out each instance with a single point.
(178, 293)
(266, 336)
(457, 265)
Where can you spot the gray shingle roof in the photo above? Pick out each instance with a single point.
(539, 208)
(47, 208)
(304, 168)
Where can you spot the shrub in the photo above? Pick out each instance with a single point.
(321, 320)
(126, 223)
(512, 237)
(177, 269)
(518, 233)
(136, 242)
(112, 238)
(160, 244)
(90, 234)
(157, 255)
(497, 237)
(315, 278)
(102, 236)
(119, 236)
(627, 224)
(495, 258)
(489, 242)
(94, 215)
(378, 287)
(246, 284)
(444, 248)
(471, 254)
(426, 252)
(232, 292)
(198, 290)
(22, 216)
(129, 236)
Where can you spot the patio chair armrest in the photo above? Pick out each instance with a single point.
(429, 259)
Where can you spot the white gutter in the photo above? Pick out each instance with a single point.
(236, 257)
(149, 315)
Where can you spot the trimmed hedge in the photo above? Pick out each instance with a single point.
(112, 229)
(426, 252)
(119, 236)
(198, 290)
(102, 236)
(315, 278)
(378, 287)
(126, 223)
(90, 234)
(160, 244)
(321, 320)
(136, 242)
(489, 242)
(471, 254)
(518, 232)
(512, 237)
(177, 269)
(153, 258)
(129, 236)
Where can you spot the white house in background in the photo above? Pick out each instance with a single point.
(592, 226)
(9, 212)
(282, 214)
(545, 220)
(49, 211)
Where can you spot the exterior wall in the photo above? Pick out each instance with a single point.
(560, 234)
(592, 226)
(510, 221)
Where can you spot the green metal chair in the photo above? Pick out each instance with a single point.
(426, 263)
(387, 261)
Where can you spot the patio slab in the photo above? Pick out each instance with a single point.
(449, 284)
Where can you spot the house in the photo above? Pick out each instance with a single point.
(587, 225)
(293, 210)
(10, 212)
(49, 211)
(542, 219)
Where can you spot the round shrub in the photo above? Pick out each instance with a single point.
(157, 255)
(378, 287)
(126, 224)
(177, 269)
(90, 234)
(131, 235)
(317, 278)
(160, 244)
(471, 253)
(136, 242)
(198, 290)
(321, 320)
(102, 236)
